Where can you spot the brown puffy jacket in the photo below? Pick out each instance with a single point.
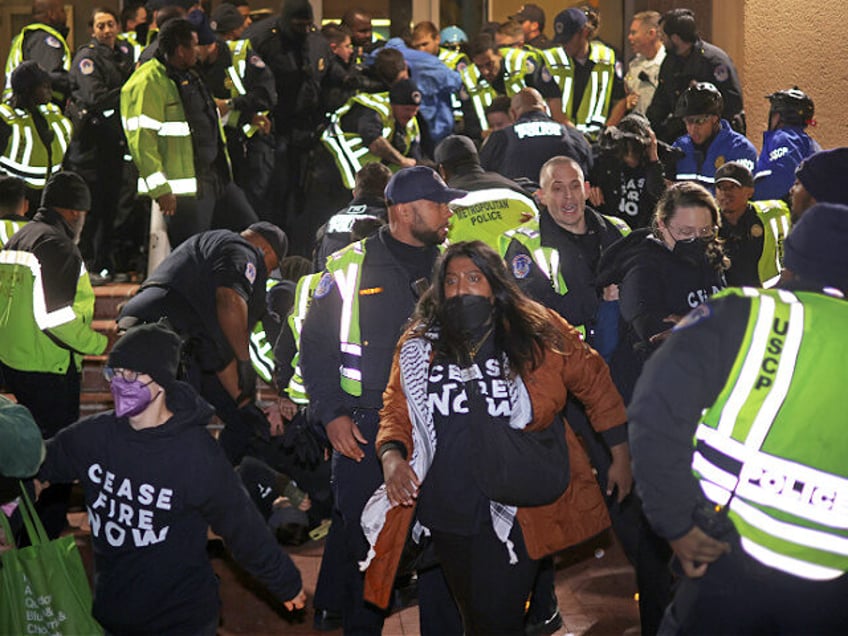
(577, 515)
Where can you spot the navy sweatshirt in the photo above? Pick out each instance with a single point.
(150, 495)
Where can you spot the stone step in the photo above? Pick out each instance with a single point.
(110, 297)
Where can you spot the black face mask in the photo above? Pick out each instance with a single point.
(693, 251)
(471, 312)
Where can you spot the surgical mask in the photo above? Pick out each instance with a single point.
(472, 311)
(692, 251)
(131, 398)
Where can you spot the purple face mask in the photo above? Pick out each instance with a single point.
(131, 398)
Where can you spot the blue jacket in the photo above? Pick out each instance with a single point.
(728, 145)
(783, 150)
(437, 84)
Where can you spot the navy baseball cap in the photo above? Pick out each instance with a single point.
(417, 183)
(567, 24)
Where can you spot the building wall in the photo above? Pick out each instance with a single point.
(778, 44)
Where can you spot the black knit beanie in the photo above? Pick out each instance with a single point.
(152, 349)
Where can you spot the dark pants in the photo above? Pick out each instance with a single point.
(253, 168)
(54, 401)
(738, 595)
(648, 553)
(490, 592)
(353, 484)
(217, 205)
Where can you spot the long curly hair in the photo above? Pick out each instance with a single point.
(522, 327)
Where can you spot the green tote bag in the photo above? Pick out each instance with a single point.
(43, 587)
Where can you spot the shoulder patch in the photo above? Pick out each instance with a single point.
(521, 266)
(124, 49)
(257, 61)
(250, 272)
(461, 66)
(463, 94)
(324, 285)
(699, 314)
(529, 65)
(721, 73)
(719, 162)
(51, 41)
(546, 74)
(86, 66)
(756, 230)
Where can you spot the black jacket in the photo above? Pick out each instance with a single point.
(383, 312)
(522, 149)
(706, 63)
(151, 496)
(629, 193)
(655, 283)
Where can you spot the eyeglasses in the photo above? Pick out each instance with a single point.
(128, 375)
(697, 120)
(690, 233)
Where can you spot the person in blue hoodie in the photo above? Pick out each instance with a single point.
(154, 481)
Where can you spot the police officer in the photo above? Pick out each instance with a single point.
(580, 77)
(709, 141)
(45, 328)
(531, 17)
(521, 149)
(363, 37)
(493, 72)
(493, 205)
(368, 204)
(300, 60)
(212, 291)
(245, 91)
(135, 28)
(13, 206)
(357, 313)
(753, 231)
(382, 123)
(97, 150)
(785, 143)
(176, 140)
(643, 71)
(819, 179)
(43, 42)
(730, 469)
(34, 133)
(690, 59)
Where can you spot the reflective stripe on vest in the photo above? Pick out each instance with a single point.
(593, 109)
(480, 92)
(25, 155)
(43, 318)
(16, 52)
(771, 446)
(348, 150)
(261, 351)
(8, 229)
(346, 268)
(774, 215)
(296, 389)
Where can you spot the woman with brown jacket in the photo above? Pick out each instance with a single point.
(522, 360)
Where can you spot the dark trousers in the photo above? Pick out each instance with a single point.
(217, 205)
(648, 553)
(738, 595)
(491, 593)
(54, 401)
(353, 484)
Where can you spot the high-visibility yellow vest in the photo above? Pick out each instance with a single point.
(771, 449)
(347, 148)
(593, 110)
(25, 155)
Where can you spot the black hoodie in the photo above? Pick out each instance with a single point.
(654, 282)
(151, 495)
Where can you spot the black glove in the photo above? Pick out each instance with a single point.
(246, 380)
(256, 422)
(301, 439)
